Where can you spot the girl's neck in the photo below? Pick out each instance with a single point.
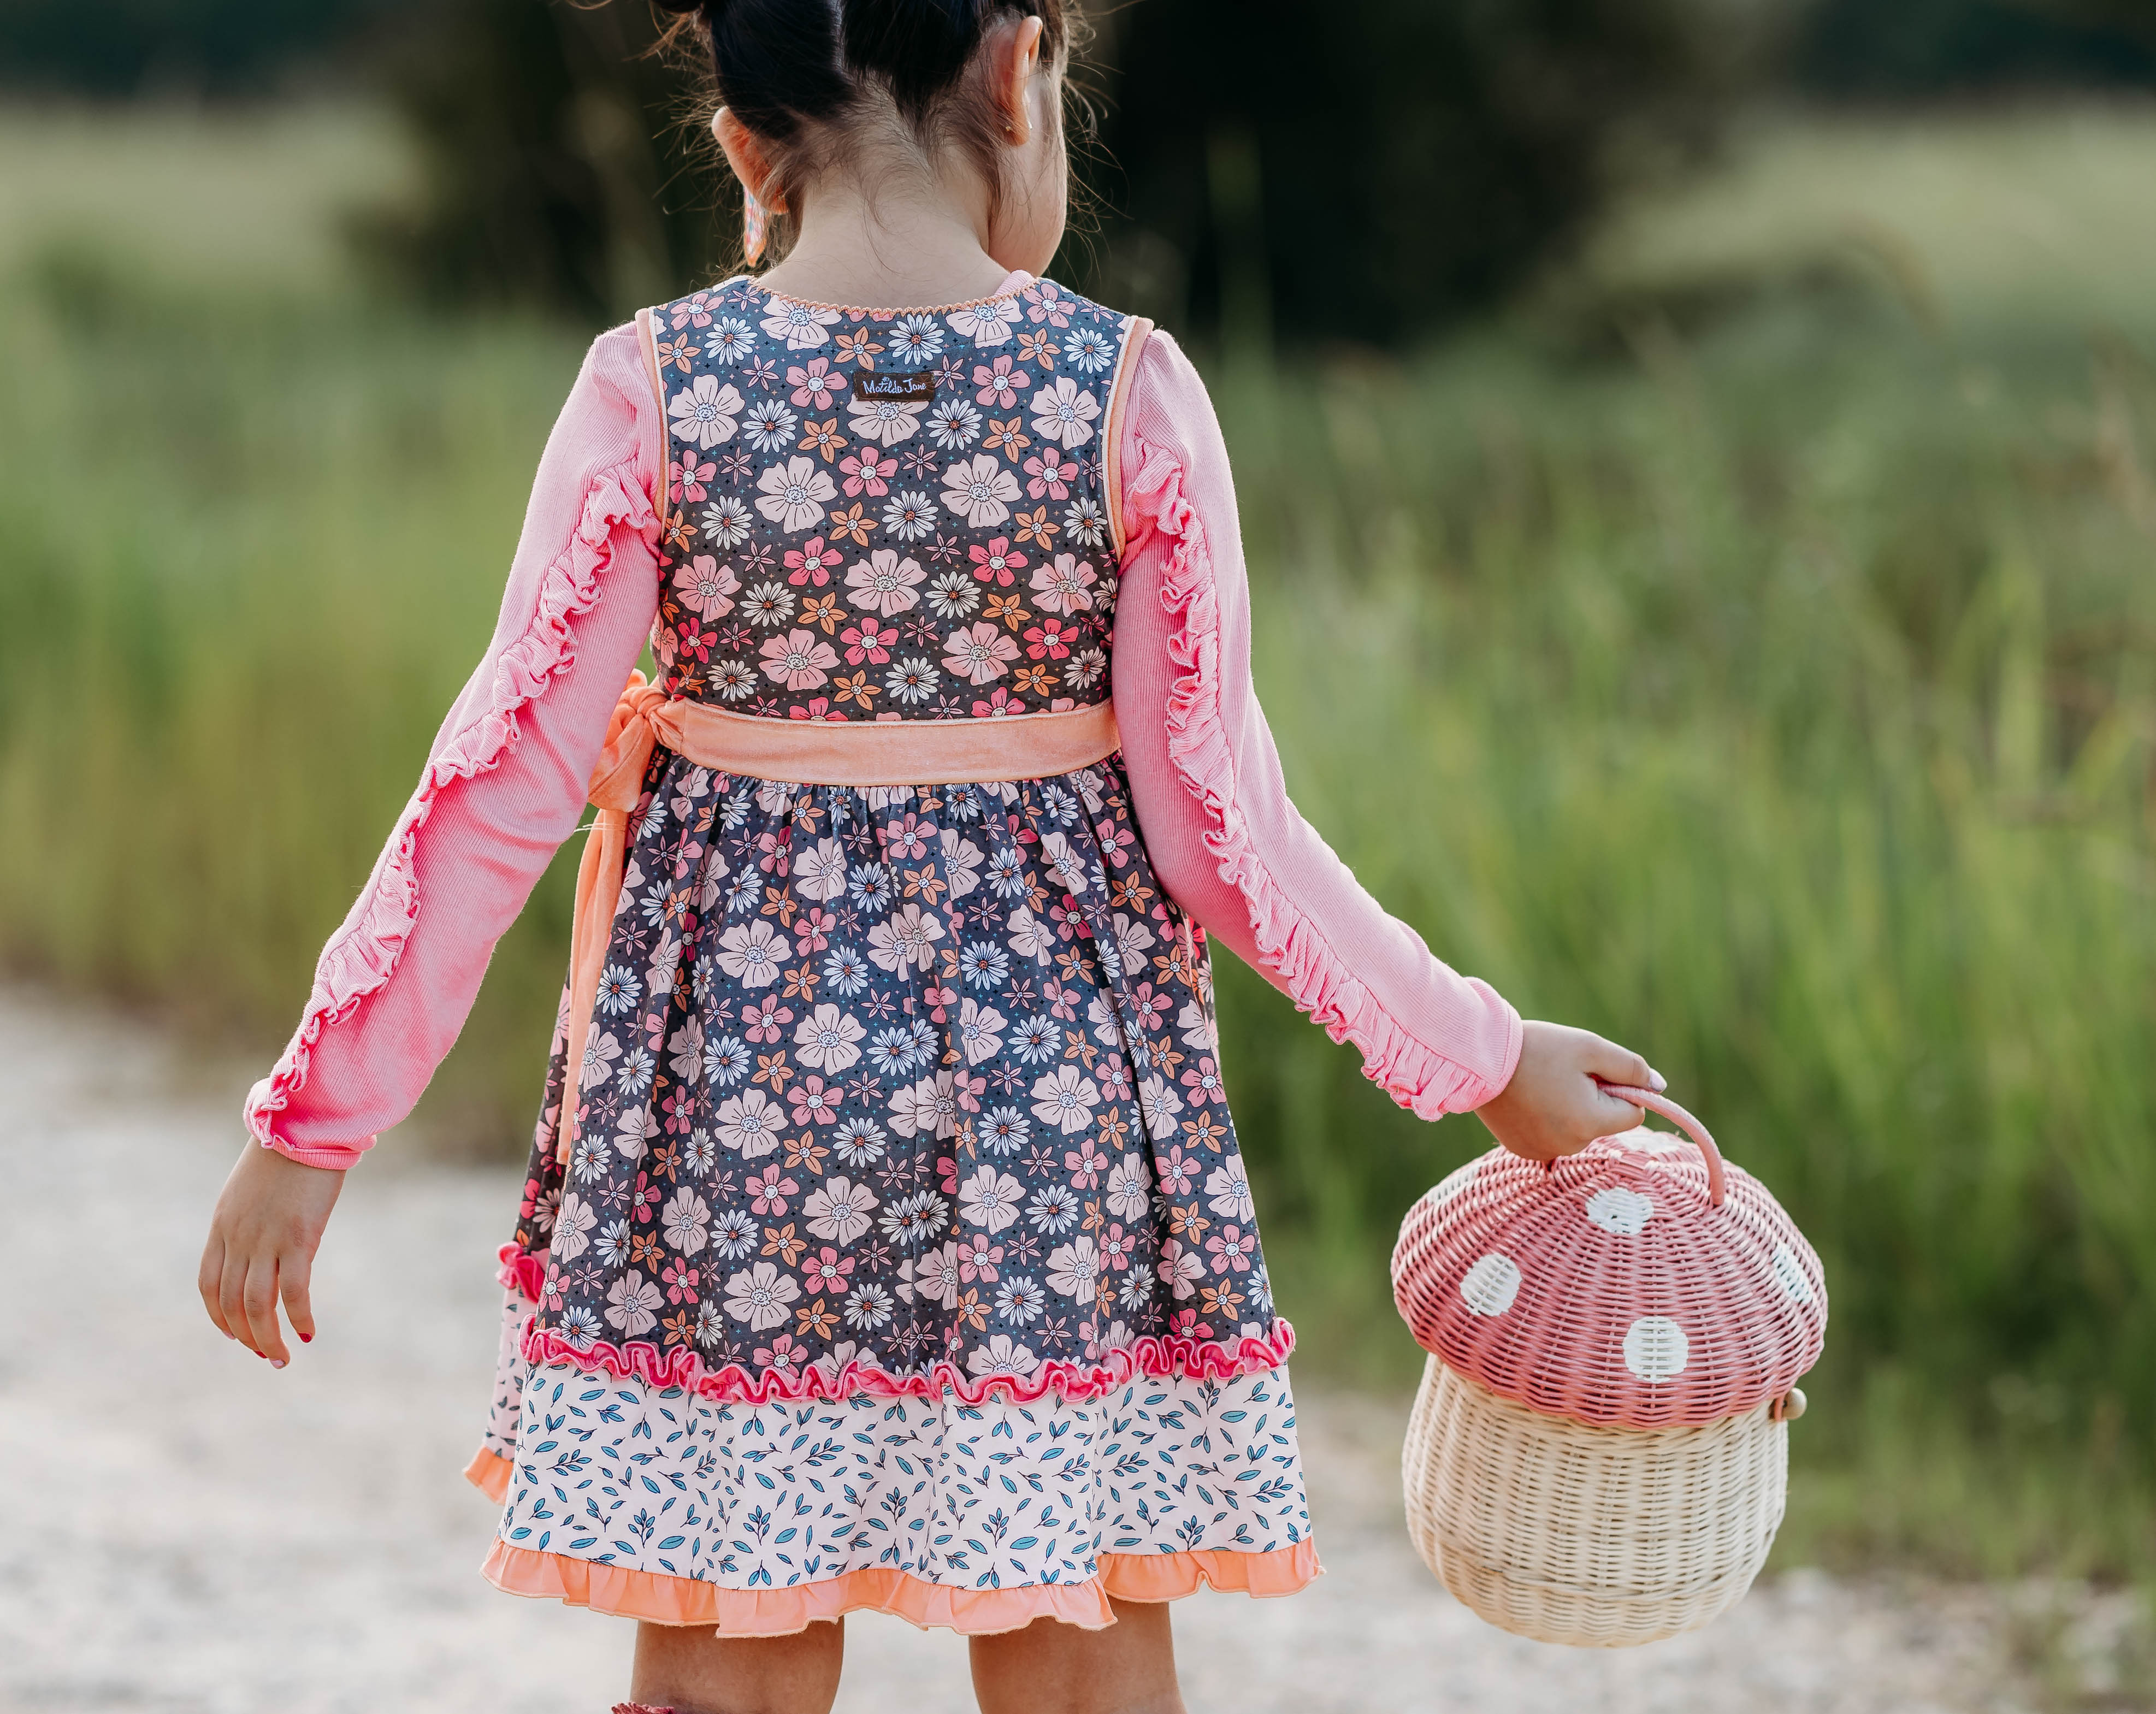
(894, 252)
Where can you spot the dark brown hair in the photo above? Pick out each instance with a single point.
(807, 75)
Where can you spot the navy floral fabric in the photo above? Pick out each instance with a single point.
(894, 1082)
(887, 513)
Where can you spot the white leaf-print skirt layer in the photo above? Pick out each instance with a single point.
(758, 1519)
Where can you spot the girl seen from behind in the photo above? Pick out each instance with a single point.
(884, 1242)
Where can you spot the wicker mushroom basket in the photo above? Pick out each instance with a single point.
(1599, 1452)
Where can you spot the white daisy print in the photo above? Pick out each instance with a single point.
(770, 426)
(915, 340)
(725, 521)
(909, 515)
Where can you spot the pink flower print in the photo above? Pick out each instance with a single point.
(969, 1091)
(999, 383)
(633, 1305)
(979, 653)
(977, 1257)
(758, 1296)
(985, 323)
(1065, 587)
(906, 838)
(692, 311)
(1181, 1267)
(812, 562)
(793, 495)
(686, 478)
(705, 413)
(695, 641)
(1204, 1082)
(996, 563)
(706, 588)
(939, 1000)
(815, 384)
(1064, 413)
(1230, 1248)
(813, 929)
(884, 583)
(1049, 476)
(818, 708)
(867, 641)
(1176, 1172)
(865, 475)
(801, 326)
(680, 1280)
(1051, 639)
(1085, 1163)
(827, 1272)
(813, 1101)
(767, 1020)
(1118, 1246)
(1151, 1007)
(785, 1352)
(1044, 302)
(979, 490)
(767, 1190)
(1115, 839)
(800, 661)
(1184, 1324)
(998, 706)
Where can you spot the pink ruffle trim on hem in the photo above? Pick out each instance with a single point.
(1312, 972)
(770, 1613)
(1199, 1359)
(363, 955)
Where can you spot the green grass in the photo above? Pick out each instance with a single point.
(1774, 691)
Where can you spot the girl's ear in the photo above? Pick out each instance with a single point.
(1013, 62)
(745, 155)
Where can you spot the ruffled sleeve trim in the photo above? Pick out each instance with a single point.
(361, 957)
(1306, 965)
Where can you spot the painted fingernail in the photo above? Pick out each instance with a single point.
(1656, 1081)
(276, 1363)
(307, 1338)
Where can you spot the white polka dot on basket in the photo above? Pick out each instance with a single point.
(1642, 1283)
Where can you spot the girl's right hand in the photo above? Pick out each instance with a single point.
(1555, 1104)
(262, 1241)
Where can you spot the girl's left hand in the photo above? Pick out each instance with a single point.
(268, 1222)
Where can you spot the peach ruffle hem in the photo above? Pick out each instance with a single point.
(770, 1613)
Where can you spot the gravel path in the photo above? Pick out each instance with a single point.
(186, 1529)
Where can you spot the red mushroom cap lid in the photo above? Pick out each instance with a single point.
(1612, 1286)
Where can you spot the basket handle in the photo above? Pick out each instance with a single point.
(1677, 1115)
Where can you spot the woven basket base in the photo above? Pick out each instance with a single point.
(1594, 1537)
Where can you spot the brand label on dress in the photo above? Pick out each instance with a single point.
(914, 389)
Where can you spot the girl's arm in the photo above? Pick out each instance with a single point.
(1231, 847)
(503, 785)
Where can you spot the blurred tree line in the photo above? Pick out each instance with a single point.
(1365, 171)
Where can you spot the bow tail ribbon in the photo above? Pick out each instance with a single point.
(617, 783)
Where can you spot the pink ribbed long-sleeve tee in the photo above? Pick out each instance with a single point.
(504, 782)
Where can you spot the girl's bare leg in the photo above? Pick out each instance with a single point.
(1057, 1669)
(689, 1668)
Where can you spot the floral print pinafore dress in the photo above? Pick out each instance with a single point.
(905, 1257)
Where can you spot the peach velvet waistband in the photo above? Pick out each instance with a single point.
(901, 752)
